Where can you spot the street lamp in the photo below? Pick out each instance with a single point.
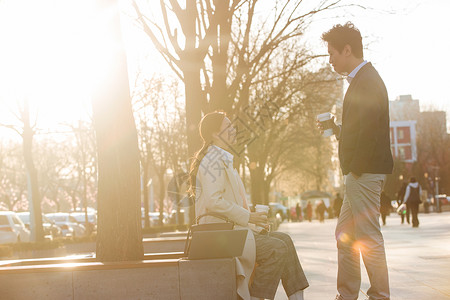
(438, 204)
(427, 183)
(436, 186)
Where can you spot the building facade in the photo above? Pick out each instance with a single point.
(404, 140)
(404, 112)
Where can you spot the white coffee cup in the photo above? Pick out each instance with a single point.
(323, 118)
(261, 208)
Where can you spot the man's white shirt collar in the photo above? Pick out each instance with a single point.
(353, 73)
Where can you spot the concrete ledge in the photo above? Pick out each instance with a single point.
(43, 261)
(170, 243)
(167, 244)
(208, 279)
(164, 276)
(158, 282)
(79, 259)
(181, 234)
(87, 266)
(168, 255)
(24, 286)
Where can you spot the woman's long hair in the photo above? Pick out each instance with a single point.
(209, 125)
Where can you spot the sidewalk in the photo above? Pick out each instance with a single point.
(418, 258)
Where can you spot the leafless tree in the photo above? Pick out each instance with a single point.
(218, 47)
(433, 149)
(281, 119)
(13, 180)
(55, 165)
(27, 131)
(162, 136)
(86, 164)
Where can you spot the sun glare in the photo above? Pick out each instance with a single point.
(46, 57)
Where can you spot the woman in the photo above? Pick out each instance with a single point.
(412, 199)
(400, 196)
(217, 187)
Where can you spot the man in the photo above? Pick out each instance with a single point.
(365, 157)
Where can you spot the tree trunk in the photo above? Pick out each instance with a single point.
(119, 235)
(37, 232)
(162, 195)
(73, 198)
(257, 186)
(145, 179)
(219, 90)
(266, 191)
(191, 67)
(87, 225)
(319, 165)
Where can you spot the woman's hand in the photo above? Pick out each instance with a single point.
(259, 219)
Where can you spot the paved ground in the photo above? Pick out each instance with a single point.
(418, 258)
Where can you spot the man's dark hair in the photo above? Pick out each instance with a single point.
(341, 35)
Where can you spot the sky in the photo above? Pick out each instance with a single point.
(406, 42)
(45, 52)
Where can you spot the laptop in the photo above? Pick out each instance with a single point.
(217, 244)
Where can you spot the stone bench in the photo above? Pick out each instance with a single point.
(164, 244)
(159, 276)
(182, 234)
(151, 245)
(80, 259)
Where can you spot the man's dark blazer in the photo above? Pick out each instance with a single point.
(364, 142)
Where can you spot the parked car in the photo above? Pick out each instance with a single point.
(443, 199)
(67, 223)
(279, 209)
(154, 218)
(81, 219)
(182, 216)
(50, 228)
(12, 229)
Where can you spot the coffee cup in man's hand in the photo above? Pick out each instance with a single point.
(327, 123)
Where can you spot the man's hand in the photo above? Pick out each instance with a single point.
(259, 219)
(336, 129)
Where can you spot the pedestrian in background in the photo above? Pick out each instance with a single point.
(298, 212)
(320, 211)
(385, 206)
(412, 199)
(308, 211)
(400, 196)
(337, 205)
(330, 212)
